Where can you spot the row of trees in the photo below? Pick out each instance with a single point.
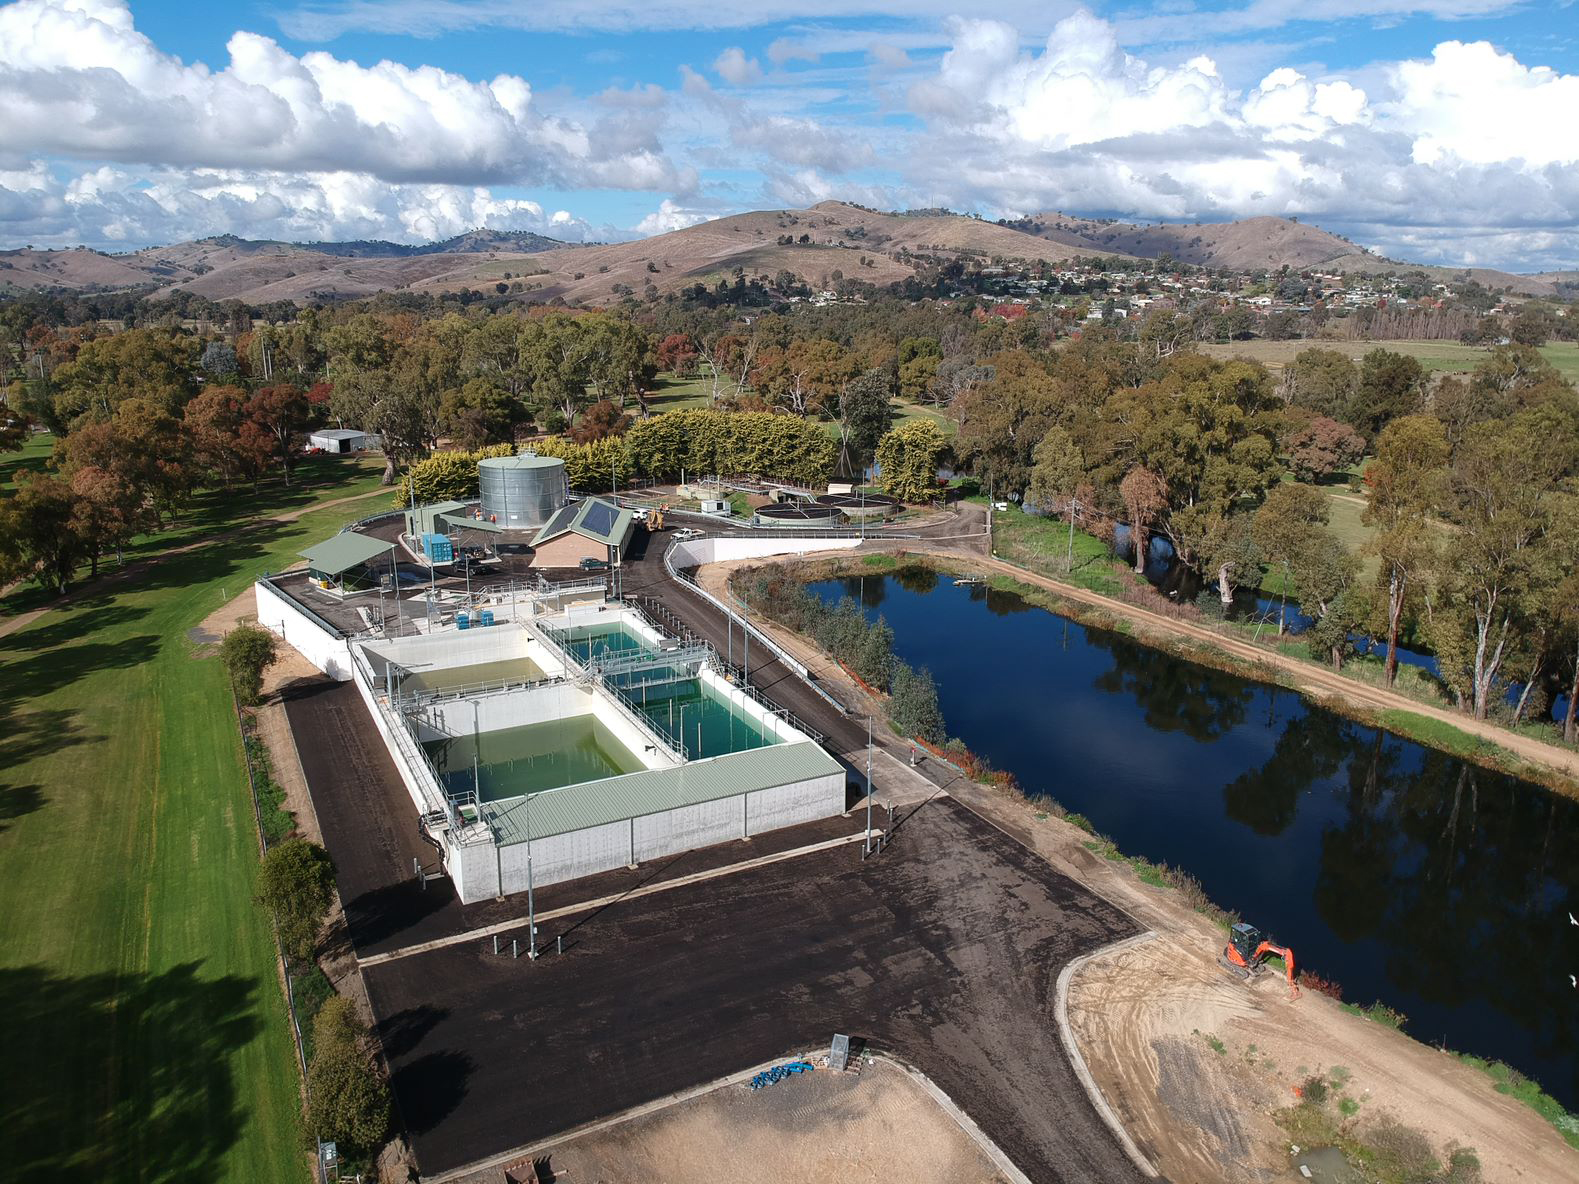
(698, 442)
(131, 469)
(1472, 492)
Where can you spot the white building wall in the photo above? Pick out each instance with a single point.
(476, 870)
(721, 550)
(689, 827)
(510, 709)
(282, 616)
(788, 805)
(463, 647)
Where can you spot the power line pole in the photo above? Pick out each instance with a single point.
(1069, 561)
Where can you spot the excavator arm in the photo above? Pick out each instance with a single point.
(1267, 948)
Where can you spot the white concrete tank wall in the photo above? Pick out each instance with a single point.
(690, 827)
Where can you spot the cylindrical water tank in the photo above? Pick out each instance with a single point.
(522, 491)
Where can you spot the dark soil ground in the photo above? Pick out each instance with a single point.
(944, 950)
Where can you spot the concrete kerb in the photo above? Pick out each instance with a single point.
(1066, 1034)
(475, 1171)
(991, 1150)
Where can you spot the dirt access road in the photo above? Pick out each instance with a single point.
(945, 950)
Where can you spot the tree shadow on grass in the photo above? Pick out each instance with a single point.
(76, 621)
(24, 736)
(53, 669)
(116, 1076)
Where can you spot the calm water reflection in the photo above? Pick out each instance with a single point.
(1404, 874)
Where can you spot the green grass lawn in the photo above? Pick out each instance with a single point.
(1042, 545)
(32, 455)
(676, 394)
(146, 1031)
(905, 411)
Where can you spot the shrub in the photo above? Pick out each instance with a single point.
(247, 652)
(1310, 981)
(349, 1101)
(297, 886)
(915, 708)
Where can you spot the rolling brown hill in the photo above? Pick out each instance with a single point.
(840, 240)
(1250, 244)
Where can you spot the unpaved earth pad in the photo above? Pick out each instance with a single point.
(878, 1127)
(1195, 1063)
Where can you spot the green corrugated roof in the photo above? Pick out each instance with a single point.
(595, 803)
(595, 519)
(343, 552)
(467, 522)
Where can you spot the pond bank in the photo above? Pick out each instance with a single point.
(1151, 1026)
(1479, 741)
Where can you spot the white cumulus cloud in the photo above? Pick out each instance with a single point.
(78, 79)
(109, 207)
(1467, 143)
(735, 68)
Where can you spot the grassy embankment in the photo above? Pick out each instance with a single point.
(146, 1028)
(1038, 545)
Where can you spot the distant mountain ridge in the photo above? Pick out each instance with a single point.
(818, 245)
(477, 241)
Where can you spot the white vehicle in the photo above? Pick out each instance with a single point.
(688, 533)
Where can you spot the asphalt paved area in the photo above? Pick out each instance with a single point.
(944, 950)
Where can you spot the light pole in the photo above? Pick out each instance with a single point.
(868, 848)
(531, 908)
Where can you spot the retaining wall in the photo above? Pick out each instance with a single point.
(316, 641)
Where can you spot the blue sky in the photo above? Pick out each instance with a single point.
(1439, 130)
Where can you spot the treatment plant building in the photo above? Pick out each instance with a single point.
(570, 736)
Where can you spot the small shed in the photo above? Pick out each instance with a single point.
(341, 440)
(338, 564)
(839, 1054)
(427, 519)
(589, 529)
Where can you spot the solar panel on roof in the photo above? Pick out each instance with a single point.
(560, 521)
(600, 518)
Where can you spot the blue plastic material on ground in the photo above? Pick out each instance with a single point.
(779, 1073)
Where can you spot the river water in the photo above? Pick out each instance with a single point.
(1407, 876)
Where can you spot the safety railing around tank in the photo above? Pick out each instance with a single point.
(400, 729)
(582, 672)
(416, 700)
(334, 631)
(661, 619)
(737, 679)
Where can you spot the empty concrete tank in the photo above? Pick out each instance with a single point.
(522, 491)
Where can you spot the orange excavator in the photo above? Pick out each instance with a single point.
(1247, 951)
